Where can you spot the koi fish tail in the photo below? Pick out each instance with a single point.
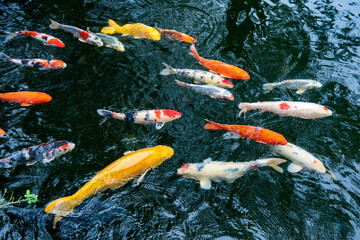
(108, 30)
(4, 164)
(3, 55)
(273, 163)
(54, 25)
(194, 53)
(112, 28)
(168, 70)
(244, 108)
(61, 207)
(11, 35)
(267, 87)
(182, 84)
(105, 113)
(212, 125)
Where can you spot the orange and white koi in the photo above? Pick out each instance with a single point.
(288, 109)
(37, 63)
(172, 34)
(199, 76)
(209, 170)
(82, 35)
(26, 98)
(115, 175)
(46, 39)
(158, 117)
(258, 134)
(2, 132)
(222, 68)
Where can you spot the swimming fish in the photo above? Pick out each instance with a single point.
(37, 63)
(46, 39)
(26, 98)
(212, 91)
(2, 132)
(261, 135)
(115, 175)
(224, 69)
(199, 76)
(172, 34)
(299, 157)
(158, 116)
(137, 30)
(45, 152)
(82, 35)
(208, 170)
(301, 85)
(111, 42)
(288, 109)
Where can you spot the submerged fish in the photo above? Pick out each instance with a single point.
(111, 42)
(288, 109)
(46, 39)
(113, 176)
(44, 152)
(26, 98)
(2, 132)
(261, 135)
(208, 170)
(137, 30)
(82, 35)
(301, 85)
(212, 91)
(199, 76)
(299, 157)
(224, 69)
(158, 116)
(177, 36)
(41, 64)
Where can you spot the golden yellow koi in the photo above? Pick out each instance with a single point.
(137, 30)
(113, 176)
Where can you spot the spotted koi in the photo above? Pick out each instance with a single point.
(46, 39)
(212, 91)
(37, 63)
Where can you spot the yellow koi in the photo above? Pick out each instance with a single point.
(113, 176)
(137, 30)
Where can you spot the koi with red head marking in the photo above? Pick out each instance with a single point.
(46, 39)
(26, 98)
(41, 64)
(177, 36)
(258, 134)
(158, 116)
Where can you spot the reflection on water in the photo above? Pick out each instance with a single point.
(272, 40)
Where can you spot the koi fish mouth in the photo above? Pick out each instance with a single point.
(231, 98)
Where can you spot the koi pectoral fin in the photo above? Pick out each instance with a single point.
(31, 163)
(205, 184)
(231, 135)
(159, 125)
(300, 91)
(294, 168)
(141, 178)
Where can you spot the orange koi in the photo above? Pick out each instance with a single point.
(224, 69)
(177, 36)
(261, 135)
(26, 98)
(2, 132)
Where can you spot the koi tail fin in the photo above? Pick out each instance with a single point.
(11, 35)
(108, 30)
(212, 125)
(244, 107)
(274, 162)
(267, 87)
(112, 28)
(4, 56)
(4, 164)
(54, 25)
(168, 70)
(194, 53)
(106, 114)
(61, 207)
(182, 84)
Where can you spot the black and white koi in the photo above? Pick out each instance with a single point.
(301, 85)
(44, 152)
(212, 91)
(37, 63)
(208, 170)
(158, 116)
(82, 35)
(199, 76)
(46, 39)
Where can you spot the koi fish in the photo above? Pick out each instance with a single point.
(208, 170)
(46, 39)
(224, 69)
(172, 34)
(115, 175)
(258, 134)
(301, 85)
(26, 98)
(111, 42)
(212, 91)
(2, 132)
(137, 30)
(299, 157)
(284, 108)
(158, 116)
(45, 152)
(199, 76)
(37, 63)
(82, 35)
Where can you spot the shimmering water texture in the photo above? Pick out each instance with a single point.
(262, 42)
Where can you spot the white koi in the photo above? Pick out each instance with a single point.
(301, 85)
(111, 42)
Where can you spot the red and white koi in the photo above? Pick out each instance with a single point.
(158, 116)
(46, 39)
(288, 109)
(199, 76)
(208, 170)
(299, 157)
(82, 35)
(212, 91)
(41, 64)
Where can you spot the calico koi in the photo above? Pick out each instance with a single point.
(212, 91)
(37, 63)
(172, 34)
(46, 39)
(301, 85)
(26, 98)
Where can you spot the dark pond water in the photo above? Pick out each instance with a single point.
(272, 40)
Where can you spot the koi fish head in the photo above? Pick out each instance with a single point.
(161, 153)
(153, 34)
(188, 171)
(62, 147)
(317, 166)
(228, 83)
(55, 43)
(57, 64)
(315, 84)
(229, 96)
(94, 40)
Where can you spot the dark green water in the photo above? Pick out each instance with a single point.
(272, 40)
